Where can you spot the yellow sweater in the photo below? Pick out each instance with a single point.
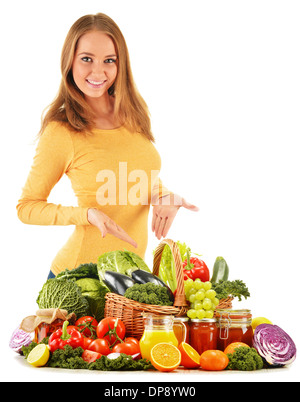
(112, 170)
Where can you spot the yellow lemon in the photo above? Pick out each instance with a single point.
(39, 355)
(260, 320)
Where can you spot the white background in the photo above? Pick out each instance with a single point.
(221, 79)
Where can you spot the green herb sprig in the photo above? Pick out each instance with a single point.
(233, 289)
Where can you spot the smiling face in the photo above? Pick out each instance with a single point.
(95, 64)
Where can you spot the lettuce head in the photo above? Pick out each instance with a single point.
(124, 262)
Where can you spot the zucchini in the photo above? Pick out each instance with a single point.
(220, 270)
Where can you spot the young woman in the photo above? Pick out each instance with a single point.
(97, 132)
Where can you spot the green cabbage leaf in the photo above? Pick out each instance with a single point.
(94, 291)
(124, 262)
(63, 294)
(92, 288)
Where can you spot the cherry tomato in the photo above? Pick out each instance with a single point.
(100, 345)
(214, 360)
(87, 325)
(111, 328)
(90, 356)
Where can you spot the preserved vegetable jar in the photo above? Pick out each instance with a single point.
(181, 329)
(44, 330)
(234, 326)
(203, 334)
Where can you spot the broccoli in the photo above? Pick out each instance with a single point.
(149, 293)
(245, 359)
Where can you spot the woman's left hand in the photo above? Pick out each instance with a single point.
(165, 212)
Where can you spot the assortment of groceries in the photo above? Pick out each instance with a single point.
(178, 317)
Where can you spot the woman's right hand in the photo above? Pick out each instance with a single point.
(107, 225)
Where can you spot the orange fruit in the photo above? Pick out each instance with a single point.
(165, 357)
(190, 358)
(230, 348)
(214, 360)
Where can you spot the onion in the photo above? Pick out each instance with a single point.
(136, 356)
(274, 345)
(112, 356)
(20, 338)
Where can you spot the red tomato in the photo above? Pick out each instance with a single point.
(214, 360)
(127, 347)
(111, 328)
(132, 340)
(87, 342)
(87, 325)
(90, 356)
(100, 346)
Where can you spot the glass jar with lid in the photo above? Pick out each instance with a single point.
(44, 329)
(234, 326)
(203, 334)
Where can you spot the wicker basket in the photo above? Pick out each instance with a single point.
(225, 303)
(131, 312)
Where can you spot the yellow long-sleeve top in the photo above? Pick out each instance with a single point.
(114, 170)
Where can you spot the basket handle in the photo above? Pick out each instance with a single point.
(180, 299)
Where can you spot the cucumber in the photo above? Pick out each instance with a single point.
(220, 270)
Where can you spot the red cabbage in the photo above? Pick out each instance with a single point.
(20, 338)
(274, 345)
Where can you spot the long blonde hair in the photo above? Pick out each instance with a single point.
(70, 106)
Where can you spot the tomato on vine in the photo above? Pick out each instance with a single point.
(87, 325)
(112, 329)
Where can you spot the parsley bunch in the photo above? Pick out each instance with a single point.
(233, 289)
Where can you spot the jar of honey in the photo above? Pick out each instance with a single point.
(203, 335)
(181, 329)
(234, 326)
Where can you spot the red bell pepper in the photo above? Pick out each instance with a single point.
(65, 336)
(195, 268)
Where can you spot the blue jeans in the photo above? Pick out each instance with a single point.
(51, 275)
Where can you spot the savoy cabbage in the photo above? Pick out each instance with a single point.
(63, 294)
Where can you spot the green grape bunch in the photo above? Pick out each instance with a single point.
(202, 298)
